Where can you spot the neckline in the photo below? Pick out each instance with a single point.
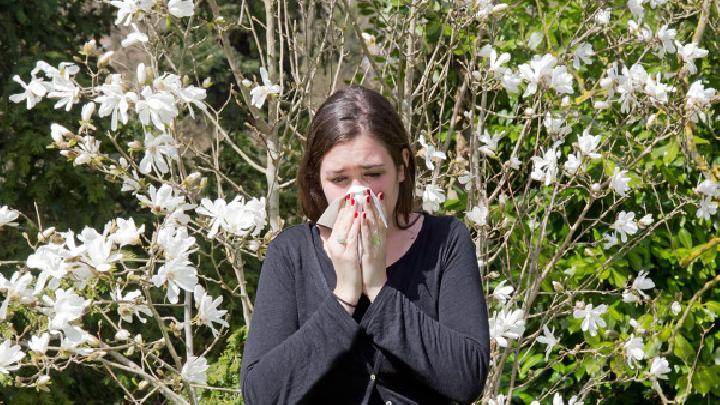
(413, 245)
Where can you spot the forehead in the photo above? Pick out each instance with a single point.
(362, 151)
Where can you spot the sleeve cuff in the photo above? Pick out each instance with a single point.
(336, 312)
(375, 309)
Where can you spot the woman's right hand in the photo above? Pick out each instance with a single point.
(344, 256)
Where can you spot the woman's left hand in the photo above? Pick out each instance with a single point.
(374, 235)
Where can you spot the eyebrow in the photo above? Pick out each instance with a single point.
(363, 166)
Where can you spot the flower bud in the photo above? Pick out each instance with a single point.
(141, 74)
(87, 111)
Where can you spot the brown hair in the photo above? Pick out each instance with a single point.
(345, 115)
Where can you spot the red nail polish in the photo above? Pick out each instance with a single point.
(367, 199)
(352, 202)
(382, 196)
(364, 215)
(356, 215)
(347, 197)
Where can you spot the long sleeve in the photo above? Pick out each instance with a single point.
(282, 361)
(450, 354)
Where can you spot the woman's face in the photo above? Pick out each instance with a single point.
(362, 161)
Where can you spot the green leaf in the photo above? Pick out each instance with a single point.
(682, 349)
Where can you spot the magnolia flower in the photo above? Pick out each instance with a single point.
(495, 63)
(619, 182)
(122, 334)
(156, 151)
(260, 93)
(500, 400)
(659, 367)
(478, 215)
(99, 254)
(88, 149)
(486, 7)
(127, 306)
(646, 220)
(538, 70)
(592, 317)
(588, 144)
(502, 292)
(706, 208)
(66, 91)
(698, 97)
(657, 90)
(9, 355)
(636, 8)
(48, 259)
(175, 242)
(65, 308)
(675, 308)
(709, 188)
(15, 289)
(156, 107)
(207, 309)
(666, 36)
(535, 40)
(555, 125)
(688, 53)
(634, 350)
(8, 216)
(549, 339)
(545, 167)
(195, 370)
(491, 142)
(583, 52)
(39, 344)
(629, 297)
(625, 225)
(432, 196)
(372, 47)
(430, 153)
(181, 8)
(87, 111)
(558, 400)
(57, 133)
(34, 92)
(561, 80)
(127, 9)
(507, 325)
(177, 274)
(511, 82)
(114, 101)
(163, 200)
(135, 37)
(127, 233)
(603, 16)
(642, 283)
(572, 164)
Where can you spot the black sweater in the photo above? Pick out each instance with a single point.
(423, 340)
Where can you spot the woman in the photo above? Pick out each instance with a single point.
(406, 322)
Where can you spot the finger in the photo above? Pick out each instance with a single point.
(343, 220)
(352, 236)
(365, 233)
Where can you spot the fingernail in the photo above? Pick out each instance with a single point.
(382, 196)
(364, 215)
(356, 215)
(347, 197)
(352, 202)
(367, 199)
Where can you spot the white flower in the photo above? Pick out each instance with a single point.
(698, 97)
(66, 91)
(514, 163)
(659, 367)
(561, 80)
(630, 297)
(192, 95)
(657, 90)
(535, 40)
(432, 197)
(666, 36)
(15, 289)
(675, 308)
(583, 52)
(555, 125)
(162, 201)
(175, 242)
(636, 8)
(39, 344)
(539, 69)
(33, 94)
(709, 188)
(157, 149)
(430, 153)
(502, 292)
(634, 350)
(588, 144)
(486, 7)
(98, 254)
(114, 101)
(642, 283)
(619, 182)
(87, 111)
(181, 8)
(478, 215)
(545, 167)
(558, 400)
(127, 306)
(88, 149)
(7, 216)
(260, 93)
(592, 317)
(495, 63)
(9, 355)
(65, 308)
(625, 225)
(549, 339)
(572, 164)
(127, 9)
(57, 133)
(127, 233)
(511, 82)
(122, 334)
(507, 325)
(195, 370)
(706, 208)
(373, 48)
(48, 259)
(500, 400)
(603, 16)
(491, 142)
(688, 53)
(236, 218)
(158, 108)
(178, 274)
(208, 309)
(135, 37)
(636, 326)
(647, 220)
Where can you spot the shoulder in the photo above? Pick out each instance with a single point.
(447, 225)
(291, 240)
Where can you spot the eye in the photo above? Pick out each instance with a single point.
(337, 180)
(374, 174)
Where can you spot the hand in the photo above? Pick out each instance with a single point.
(373, 234)
(342, 246)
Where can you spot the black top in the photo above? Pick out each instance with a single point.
(423, 340)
